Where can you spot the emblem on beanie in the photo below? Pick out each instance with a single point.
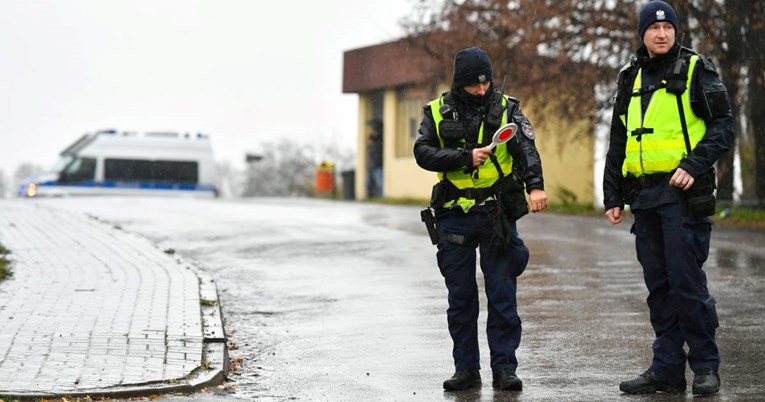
(660, 15)
(482, 78)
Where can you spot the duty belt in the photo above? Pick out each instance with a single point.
(474, 193)
(650, 180)
(444, 191)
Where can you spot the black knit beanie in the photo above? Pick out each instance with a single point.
(655, 11)
(471, 66)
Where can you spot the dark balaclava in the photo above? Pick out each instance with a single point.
(655, 11)
(471, 66)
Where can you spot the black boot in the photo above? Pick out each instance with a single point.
(507, 380)
(649, 382)
(706, 382)
(463, 379)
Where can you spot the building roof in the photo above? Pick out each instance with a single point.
(386, 65)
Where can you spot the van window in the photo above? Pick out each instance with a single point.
(61, 164)
(79, 169)
(151, 171)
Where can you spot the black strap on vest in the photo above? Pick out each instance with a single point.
(684, 124)
(650, 88)
(640, 131)
(496, 165)
(493, 117)
(676, 84)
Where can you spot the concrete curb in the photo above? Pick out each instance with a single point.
(215, 361)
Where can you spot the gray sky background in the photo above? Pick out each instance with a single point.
(241, 71)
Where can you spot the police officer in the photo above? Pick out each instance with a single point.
(454, 138)
(672, 120)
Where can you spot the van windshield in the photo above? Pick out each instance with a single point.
(79, 170)
(60, 164)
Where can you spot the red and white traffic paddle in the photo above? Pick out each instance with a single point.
(503, 134)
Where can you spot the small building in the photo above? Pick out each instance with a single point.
(394, 81)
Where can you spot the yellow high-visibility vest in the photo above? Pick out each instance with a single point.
(662, 150)
(481, 177)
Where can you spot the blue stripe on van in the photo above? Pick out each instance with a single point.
(133, 184)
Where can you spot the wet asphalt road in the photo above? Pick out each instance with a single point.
(343, 301)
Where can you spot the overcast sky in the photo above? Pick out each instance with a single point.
(241, 71)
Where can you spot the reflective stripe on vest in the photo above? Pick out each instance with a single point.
(661, 150)
(482, 177)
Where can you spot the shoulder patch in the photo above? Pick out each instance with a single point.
(527, 130)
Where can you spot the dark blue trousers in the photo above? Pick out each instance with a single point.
(672, 247)
(500, 270)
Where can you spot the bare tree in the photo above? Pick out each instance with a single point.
(552, 44)
(731, 31)
(756, 103)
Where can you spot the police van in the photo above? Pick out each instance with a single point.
(130, 163)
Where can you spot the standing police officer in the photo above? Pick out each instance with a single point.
(455, 136)
(672, 120)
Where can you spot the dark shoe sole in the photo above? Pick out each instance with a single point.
(511, 387)
(705, 391)
(458, 388)
(653, 388)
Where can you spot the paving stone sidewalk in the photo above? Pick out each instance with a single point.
(92, 310)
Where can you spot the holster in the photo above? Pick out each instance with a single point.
(426, 215)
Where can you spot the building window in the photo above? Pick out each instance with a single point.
(408, 115)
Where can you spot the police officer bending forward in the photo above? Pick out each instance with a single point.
(477, 201)
(672, 120)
